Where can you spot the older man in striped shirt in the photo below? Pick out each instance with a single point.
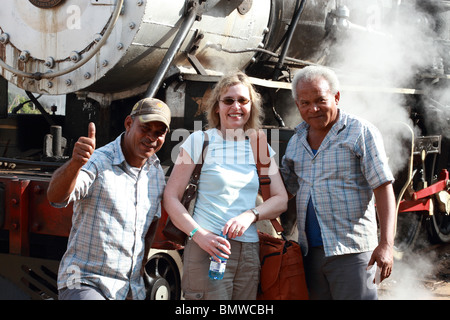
(117, 191)
(335, 164)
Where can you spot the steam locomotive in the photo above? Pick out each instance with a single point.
(77, 61)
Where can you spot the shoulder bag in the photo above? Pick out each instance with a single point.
(282, 273)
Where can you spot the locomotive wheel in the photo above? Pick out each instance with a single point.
(408, 228)
(161, 278)
(438, 226)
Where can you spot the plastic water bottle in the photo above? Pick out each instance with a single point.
(217, 269)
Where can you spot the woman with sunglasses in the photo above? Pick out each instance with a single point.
(227, 192)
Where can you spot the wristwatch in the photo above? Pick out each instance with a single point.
(256, 213)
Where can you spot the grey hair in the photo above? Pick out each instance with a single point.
(310, 73)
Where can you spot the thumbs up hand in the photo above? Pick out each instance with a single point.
(91, 134)
(85, 146)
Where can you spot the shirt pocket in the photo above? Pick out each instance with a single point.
(342, 163)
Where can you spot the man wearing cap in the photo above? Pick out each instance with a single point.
(116, 192)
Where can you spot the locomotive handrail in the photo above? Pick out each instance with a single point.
(50, 74)
(409, 178)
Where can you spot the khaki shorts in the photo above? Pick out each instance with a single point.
(240, 281)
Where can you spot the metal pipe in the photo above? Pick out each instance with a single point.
(287, 42)
(56, 132)
(219, 47)
(31, 163)
(173, 49)
(40, 108)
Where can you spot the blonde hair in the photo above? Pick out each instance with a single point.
(212, 104)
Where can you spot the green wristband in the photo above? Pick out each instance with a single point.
(192, 233)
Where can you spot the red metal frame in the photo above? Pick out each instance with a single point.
(28, 210)
(422, 198)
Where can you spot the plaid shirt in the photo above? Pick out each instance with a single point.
(113, 210)
(340, 179)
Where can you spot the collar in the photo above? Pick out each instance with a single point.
(302, 131)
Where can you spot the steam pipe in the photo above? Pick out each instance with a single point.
(173, 49)
(287, 43)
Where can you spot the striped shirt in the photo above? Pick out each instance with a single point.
(114, 205)
(340, 179)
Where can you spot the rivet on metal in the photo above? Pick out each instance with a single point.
(75, 56)
(37, 189)
(87, 75)
(97, 37)
(4, 38)
(132, 25)
(50, 62)
(24, 56)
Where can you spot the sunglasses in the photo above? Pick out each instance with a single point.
(230, 101)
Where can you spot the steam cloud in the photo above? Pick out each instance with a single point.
(410, 276)
(384, 57)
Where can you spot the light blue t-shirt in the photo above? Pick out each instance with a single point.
(228, 183)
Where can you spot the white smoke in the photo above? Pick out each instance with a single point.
(377, 64)
(410, 277)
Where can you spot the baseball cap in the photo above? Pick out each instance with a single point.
(151, 109)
